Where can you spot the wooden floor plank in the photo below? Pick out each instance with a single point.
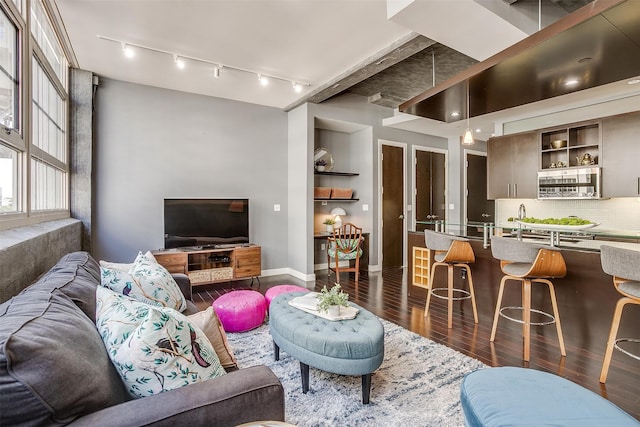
(386, 294)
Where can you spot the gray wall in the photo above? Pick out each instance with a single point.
(154, 143)
(352, 109)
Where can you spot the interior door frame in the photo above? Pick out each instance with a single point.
(414, 161)
(465, 190)
(402, 145)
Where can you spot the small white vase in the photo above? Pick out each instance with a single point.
(333, 310)
(329, 228)
(320, 168)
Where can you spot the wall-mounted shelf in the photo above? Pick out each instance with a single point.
(337, 173)
(336, 200)
(579, 140)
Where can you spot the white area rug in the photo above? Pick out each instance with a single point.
(418, 383)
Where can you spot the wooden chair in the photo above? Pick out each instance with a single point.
(345, 245)
(451, 252)
(528, 263)
(622, 264)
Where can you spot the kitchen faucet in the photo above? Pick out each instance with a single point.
(522, 212)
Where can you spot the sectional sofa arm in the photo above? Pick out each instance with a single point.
(249, 394)
(184, 283)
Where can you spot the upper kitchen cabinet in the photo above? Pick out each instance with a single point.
(621, 155)
(512, 166)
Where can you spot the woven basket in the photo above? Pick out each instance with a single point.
(321, 192)
(341, 193)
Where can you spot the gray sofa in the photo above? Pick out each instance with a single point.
(55, 370)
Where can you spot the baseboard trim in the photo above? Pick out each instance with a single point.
(290, 272)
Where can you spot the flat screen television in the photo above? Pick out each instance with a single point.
(205, 222)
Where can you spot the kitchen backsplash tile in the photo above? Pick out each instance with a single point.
(612, 214)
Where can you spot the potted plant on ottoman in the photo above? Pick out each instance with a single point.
(330, 301)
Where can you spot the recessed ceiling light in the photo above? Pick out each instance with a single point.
(478, 130)
(455, 114)
(571, 82)
(633, 82)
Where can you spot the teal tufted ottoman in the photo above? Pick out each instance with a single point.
(345, 347)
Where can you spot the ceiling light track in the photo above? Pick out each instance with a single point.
(179, 60)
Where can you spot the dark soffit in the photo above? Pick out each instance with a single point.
(598, 44)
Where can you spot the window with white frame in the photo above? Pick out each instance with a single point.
(34, 154)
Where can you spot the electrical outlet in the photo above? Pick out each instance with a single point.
(276, 208)
(322, 246)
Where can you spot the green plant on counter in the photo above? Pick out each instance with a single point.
(329, 221)
(335, 296)
(556, 221)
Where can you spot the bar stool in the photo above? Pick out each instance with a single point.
(450, 251)
(622, 264)
(528, 263)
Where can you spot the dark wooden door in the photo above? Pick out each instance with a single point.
(479, 208)
(430, 188)
(392, 205)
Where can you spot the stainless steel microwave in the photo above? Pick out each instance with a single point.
(576, 183)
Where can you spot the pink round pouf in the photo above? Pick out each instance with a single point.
(240, 311)
(281, 289)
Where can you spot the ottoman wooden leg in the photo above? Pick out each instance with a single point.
(304, 373)
(366, 388)
(276, 351)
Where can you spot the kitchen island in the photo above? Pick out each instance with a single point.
(586, 298)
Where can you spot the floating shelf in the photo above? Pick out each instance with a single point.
(336, 200)
(337, 173)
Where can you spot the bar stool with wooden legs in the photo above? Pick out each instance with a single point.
(622, 264)
(528, 263)
(451, 252)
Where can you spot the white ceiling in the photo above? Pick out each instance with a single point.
(309, 41)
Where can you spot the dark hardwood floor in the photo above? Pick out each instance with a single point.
(386, 294)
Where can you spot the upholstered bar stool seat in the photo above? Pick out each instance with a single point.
(450, 251)
(624, 266)
(510, 396)
(527, 263)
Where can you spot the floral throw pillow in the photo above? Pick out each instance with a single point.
(154, 349)
(146, 281)
(207, 320)
(127, 266)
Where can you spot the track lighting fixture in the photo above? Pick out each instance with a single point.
(128, 51)
(180, 61)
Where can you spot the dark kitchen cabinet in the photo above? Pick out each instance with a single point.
(621, 155)
(512, 166)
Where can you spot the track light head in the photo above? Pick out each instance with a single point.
(179, 62)
(216, 71)
(128, 51)
(264, 81)
(297, 87)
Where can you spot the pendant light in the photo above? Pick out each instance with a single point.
(467, 139)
